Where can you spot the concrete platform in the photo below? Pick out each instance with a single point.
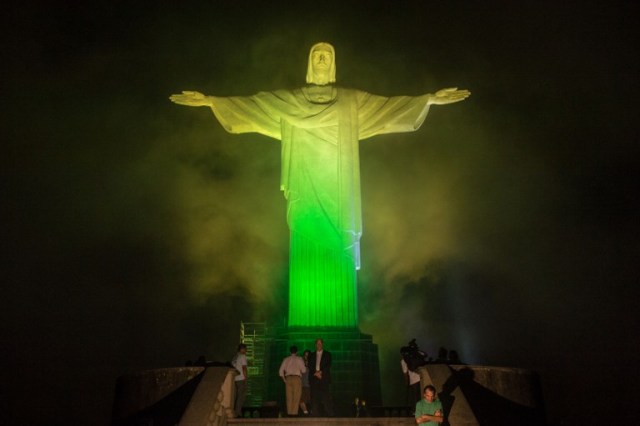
(195, 396)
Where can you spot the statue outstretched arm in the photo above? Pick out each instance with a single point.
(191, 98)
(448, 96)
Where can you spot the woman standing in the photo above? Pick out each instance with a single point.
(306, 389)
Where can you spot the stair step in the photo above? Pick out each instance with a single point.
(322, 421)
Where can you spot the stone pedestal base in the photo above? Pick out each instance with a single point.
(355, 369)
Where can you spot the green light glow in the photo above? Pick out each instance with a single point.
(322, 285)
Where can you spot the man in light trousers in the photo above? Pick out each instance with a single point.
(291, 371)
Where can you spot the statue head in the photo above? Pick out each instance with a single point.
(322, 64)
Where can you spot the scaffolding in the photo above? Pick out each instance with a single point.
(255, 336)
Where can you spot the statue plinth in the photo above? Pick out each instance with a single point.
(355, 368)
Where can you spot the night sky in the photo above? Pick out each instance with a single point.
(137, 233)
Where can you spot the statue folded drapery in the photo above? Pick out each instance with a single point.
(320, 129)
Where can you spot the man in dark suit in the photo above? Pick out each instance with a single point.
(320, 380)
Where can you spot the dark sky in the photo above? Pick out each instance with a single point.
(137, 234)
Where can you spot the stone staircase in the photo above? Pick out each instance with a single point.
(322, 421)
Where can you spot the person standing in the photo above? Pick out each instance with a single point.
(412, 381)
(429, 409)
(239, 362)
(306, 390)
(291, 371)
(443, 356)
(320, 380)
(454, 358)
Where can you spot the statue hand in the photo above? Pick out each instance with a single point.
(190, 98)
(449, 96)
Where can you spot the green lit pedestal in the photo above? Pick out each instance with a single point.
(355, 370)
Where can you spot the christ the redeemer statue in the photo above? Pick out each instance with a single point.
(320, 126)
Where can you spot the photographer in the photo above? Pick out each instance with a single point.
(412, 358)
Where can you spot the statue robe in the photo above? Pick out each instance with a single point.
(320, 127)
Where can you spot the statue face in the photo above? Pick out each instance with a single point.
(322, 66)
(321, 60)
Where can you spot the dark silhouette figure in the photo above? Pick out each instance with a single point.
(443, 356)
(454, 358)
